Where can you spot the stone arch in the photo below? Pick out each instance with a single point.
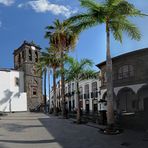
(143, 98)
(19, 59)
(36, 56)
(127, 100)
(104, 97)
(30, 54)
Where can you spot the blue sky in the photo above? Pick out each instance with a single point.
(26, 20)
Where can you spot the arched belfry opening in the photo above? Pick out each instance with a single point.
(30, 55)
(36, 56)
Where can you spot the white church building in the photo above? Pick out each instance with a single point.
(12, 95)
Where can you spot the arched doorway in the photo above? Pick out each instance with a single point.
(126, 100)
(143, 98)
(104, 98)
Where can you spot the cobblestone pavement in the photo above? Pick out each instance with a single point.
(36, 130)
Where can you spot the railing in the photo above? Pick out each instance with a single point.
(87, 117)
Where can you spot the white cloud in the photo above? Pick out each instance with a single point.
(42, 6)
(7, 2)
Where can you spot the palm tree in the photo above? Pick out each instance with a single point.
(114, 14)
(77, 71)
(62, 37)
(42, 70)
(51, 59)
(49, 73)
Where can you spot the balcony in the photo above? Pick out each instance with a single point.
(86, 96)
(94, 94)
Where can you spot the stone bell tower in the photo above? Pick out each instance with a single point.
(25, 58)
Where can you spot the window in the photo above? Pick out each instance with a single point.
(36, 56)
(87, 91)
(95, 108)
(30, 55)
(16, 81)
(34, 91)
(72, 86)
(94, 86)
(94, 93)
(19, 59)
(69, 87)
(73, 91)
(125, 71)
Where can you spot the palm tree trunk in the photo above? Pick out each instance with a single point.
(109, 84)
(54, 90)
(49, 86)
(62, 85)
(45, 91)
(78, 104)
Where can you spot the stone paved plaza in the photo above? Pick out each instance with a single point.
(36, 130)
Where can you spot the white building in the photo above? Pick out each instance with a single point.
(21, 87)
(12, 95)
(90, 96)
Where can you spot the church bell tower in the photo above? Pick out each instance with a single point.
(25, 58)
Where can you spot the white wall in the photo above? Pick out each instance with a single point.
(12, 97)
(90, 81)
(81, 84)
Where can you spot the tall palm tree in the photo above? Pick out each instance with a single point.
(62, 37)
(51, 59)
(77, 71)
(42, 70)
(114, 14)
(49, 73)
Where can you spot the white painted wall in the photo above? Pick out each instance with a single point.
(12, 97)
(81, 84)
(90, 81)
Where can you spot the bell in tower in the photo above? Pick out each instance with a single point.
(25, 59)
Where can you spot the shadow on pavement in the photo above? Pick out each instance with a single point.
(3, 146)
(71, 135)
(17, 127)
(81, 136)
(27, 141)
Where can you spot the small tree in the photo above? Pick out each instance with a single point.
(77, 71)
(50, 58)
